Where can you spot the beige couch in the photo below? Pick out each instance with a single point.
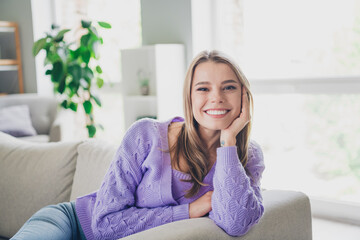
(34, 175)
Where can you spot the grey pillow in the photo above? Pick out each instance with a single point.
(16, 121)
(32, 176)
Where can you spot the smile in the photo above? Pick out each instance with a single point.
(217, 113)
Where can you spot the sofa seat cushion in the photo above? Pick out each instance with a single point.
(37, 138)
(32, 175)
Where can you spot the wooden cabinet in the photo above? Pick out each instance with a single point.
(11, 78)
(163, 67)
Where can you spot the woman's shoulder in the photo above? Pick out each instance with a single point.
(149, 127)
(140, 136)
(144, 127)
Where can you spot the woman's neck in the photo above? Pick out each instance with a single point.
(211, 138)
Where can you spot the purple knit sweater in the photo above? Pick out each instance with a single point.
(136, 193)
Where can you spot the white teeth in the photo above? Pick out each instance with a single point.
(216, 112)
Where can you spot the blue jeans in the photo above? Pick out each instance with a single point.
(52, 222)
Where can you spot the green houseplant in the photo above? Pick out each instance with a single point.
(73, 68)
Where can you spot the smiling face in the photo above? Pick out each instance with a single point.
(215, 95)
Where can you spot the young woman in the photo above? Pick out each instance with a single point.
(203, 165)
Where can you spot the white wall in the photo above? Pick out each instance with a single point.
(167, 21)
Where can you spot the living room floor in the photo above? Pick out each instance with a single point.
(330, 230)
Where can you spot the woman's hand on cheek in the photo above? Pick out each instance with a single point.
(228, 135)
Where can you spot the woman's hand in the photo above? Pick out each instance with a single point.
(201, 206)
(228, 135)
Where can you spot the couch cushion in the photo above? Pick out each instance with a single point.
(16, 121)
(37, 138)
(92, 164)
(32, 175)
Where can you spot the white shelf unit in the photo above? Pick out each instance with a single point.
(164, 65)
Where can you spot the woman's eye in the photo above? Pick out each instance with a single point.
(229, 88)
(202, 89)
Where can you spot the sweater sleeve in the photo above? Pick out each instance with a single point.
(237, 201)
(115, 214)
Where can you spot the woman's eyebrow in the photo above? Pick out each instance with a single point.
(224, 82)
(229, 81)
(202, 83)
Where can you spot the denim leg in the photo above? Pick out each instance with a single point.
(57, 222)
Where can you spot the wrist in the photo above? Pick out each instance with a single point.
(227, 142)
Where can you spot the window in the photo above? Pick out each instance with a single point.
(303, 61)
(281, 38)
(310, 143)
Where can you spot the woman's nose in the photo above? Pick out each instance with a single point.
(217, 96)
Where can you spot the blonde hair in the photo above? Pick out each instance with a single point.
(189, 145)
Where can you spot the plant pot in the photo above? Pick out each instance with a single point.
(144, 90)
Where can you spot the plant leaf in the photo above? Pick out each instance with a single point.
(85, 40)
(99, 82)
(73, 87)
(61, 86)
(38, 45)
(88, 74)
(96, 99)
(74, 54)
(85, 56)
(94, 33)
(75, 72)
(104, 24)
(85, 24)
(54, 26)
(87, 106)
(73, 106)
(57, 72)
(64, 104)
(53, 57)
(98, 69)
(60, 36)
(91, 130)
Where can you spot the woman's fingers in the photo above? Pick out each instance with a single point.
(228, 135)
(245, 102)
(201, 206)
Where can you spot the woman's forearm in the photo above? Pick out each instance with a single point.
(236, 206)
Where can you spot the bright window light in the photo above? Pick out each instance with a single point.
(297, 53)
(311, 143)
(282, 38)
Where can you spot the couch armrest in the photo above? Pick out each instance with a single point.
(63, 127)
(287, 216)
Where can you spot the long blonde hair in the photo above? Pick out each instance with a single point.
(189, 145)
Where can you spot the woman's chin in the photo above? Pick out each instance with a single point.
(215, 127)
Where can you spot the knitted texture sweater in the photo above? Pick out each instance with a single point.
(136, 193)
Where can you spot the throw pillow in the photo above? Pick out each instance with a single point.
(32, 176)
(16, 121)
